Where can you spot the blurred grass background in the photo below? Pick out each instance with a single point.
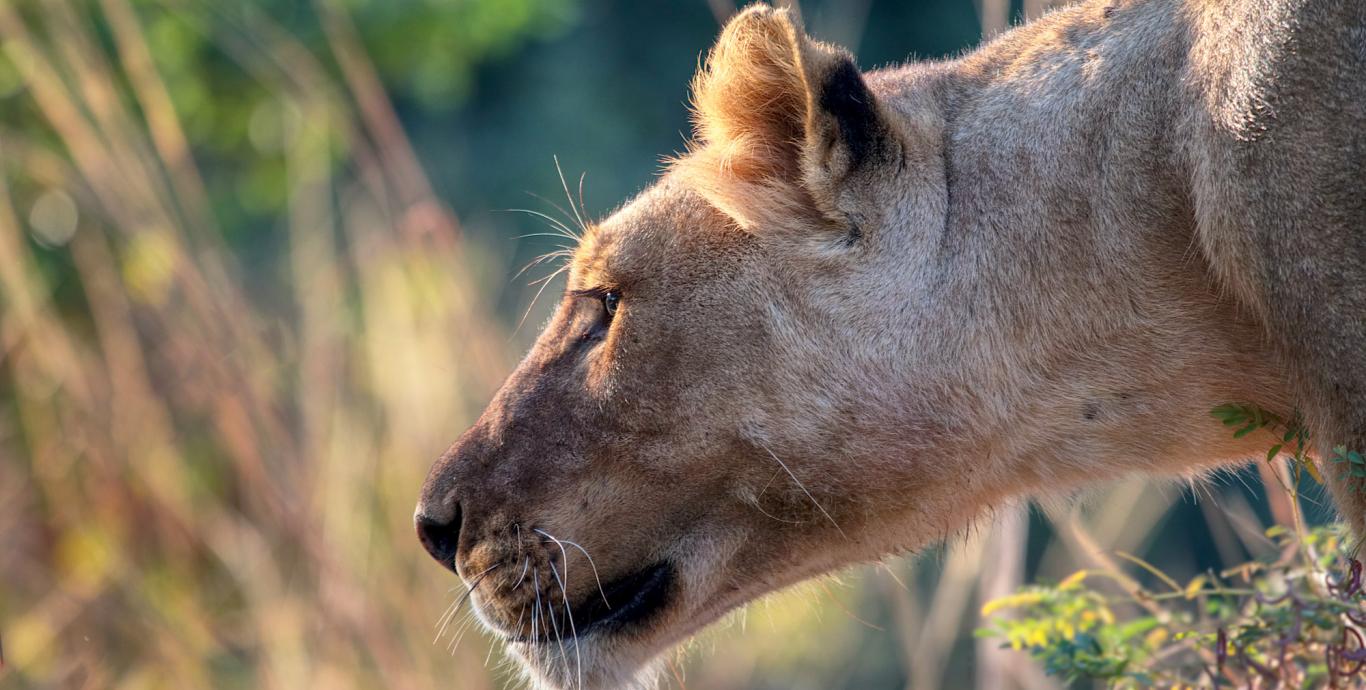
(254, 278)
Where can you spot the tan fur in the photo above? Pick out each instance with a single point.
(758, 125)
(865, 308)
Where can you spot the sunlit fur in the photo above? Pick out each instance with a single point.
(847, 333)
(750, 102)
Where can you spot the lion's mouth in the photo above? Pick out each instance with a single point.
(622, 604)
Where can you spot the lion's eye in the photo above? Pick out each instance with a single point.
(610, 300)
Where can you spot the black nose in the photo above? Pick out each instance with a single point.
(441, 539)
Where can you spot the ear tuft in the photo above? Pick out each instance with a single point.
(781, 123)
(749, 98)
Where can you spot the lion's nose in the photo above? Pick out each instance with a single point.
(440, 538)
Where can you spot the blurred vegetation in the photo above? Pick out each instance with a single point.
(239, 318)
(226, 286)
(1292, 621)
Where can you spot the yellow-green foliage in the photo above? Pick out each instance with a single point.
(1290, 620)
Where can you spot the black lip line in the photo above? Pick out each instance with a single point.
(634, 598)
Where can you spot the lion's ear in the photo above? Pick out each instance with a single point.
(783, 123)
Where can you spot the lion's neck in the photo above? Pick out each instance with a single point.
(1066, 280)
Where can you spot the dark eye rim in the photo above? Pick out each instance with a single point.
(608, 297)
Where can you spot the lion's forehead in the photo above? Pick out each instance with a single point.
(665, 224)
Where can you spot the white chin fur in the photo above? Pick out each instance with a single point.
(582, 667)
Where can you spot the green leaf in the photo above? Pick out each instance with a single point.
(1137, 627)
(1311, 468)
(1271, 454)
(1225, 411)
(1230, 414)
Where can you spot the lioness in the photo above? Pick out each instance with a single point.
(863, 308)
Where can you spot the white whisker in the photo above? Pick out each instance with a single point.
(566, 233)
(527, 313)
(521, 615)
(803, 488)
(582, 175)
(569, 611)
(460, 634)
(488, 655)
(536, 611)
(569, 217)
(450, 613)
(563, 252)
(775, 518)
(593, 566)
(565, 185)
(550, 607)
(445, 620)
(525, 564)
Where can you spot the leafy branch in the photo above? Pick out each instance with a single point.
(1292, 620)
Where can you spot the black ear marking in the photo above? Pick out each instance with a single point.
(855, 234)
(848, 100)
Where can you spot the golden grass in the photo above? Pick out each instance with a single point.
(205, 488)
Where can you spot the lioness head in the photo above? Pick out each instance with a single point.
(694, 418)
(748, 381)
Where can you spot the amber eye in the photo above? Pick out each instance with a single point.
(610, 300)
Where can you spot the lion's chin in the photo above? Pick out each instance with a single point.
(586, 663)
(601, 645)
